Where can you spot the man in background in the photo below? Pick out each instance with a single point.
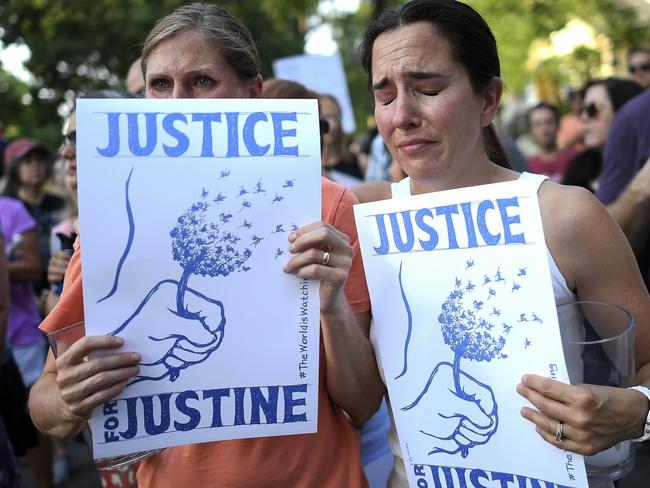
(550, 160)
(638, 65)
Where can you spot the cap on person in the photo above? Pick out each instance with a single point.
(18, 149)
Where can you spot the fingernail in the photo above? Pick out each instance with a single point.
(292, 236)
(135, 356)
(119, 341)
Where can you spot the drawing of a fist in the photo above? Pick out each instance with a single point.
(455, 417)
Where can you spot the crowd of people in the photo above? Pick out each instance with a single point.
(433, 70)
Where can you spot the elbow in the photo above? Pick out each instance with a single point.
(363, 410)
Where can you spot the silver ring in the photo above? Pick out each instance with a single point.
(558, 431)
(326, 258)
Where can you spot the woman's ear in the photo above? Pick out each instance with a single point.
(255, 88)
(491, 99)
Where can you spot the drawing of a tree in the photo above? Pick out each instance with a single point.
(212, 238)
(475, 319)
(205, 247)
(469, 335)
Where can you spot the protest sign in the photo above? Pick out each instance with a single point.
(322, 74)
(185, 208)
(463, 306)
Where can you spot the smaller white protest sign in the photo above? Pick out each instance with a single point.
(463, 306)
(185, 209)
(322, 74)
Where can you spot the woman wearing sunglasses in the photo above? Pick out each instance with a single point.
(602, 99)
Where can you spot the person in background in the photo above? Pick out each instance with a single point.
(27, 345)
(67, 230)
(551, 161)
(135, 80)
(201, 51)
(64, 234)
(29, 165)
(338, 163)
(434, 71)
(602, 100)
(638, 65)
(360, 146)
(9, 475)
(624, 184)
(570, 132)
(379, 160)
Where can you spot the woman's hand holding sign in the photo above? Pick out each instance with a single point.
(595, 417)
(322, 253)
(83, 383)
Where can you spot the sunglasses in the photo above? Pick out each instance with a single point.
(592, 109)
(70, 138)
(324, 126)
(639, 67)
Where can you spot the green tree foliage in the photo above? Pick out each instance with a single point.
(516, 25)
(79, 45)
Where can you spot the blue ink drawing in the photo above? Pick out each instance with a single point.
(471, 418)
(258, 187)
(204, 242)
(129, 241)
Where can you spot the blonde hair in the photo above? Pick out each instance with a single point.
(224, 32)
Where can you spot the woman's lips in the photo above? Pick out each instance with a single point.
(414, 146)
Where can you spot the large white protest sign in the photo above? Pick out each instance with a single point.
(463, 307)
(185, 208)
(322, 74)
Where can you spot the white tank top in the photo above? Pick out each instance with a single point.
(570, 317)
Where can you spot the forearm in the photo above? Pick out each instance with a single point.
(51, 300)
(353, 380)
(632, 209)
(24, 271)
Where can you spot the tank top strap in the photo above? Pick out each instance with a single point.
(402, 188)
(536, 179)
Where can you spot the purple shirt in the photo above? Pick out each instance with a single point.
(627, 147)
(626, 151)
(23, 314)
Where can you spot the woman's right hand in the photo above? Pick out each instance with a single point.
(58, 265)
(85, 383)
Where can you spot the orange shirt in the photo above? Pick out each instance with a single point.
(329, 458)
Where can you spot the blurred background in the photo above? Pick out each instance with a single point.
(52, 49)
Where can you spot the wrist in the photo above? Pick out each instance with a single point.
(644, 428)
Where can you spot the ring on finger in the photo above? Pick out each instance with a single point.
(558, 431)
(326, 258)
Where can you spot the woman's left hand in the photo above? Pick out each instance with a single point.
(595, 417)
(321, 253)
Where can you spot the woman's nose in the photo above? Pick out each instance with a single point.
(406, 113)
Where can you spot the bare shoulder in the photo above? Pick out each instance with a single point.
(372, 191)
(568, 210)
(580, 232)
